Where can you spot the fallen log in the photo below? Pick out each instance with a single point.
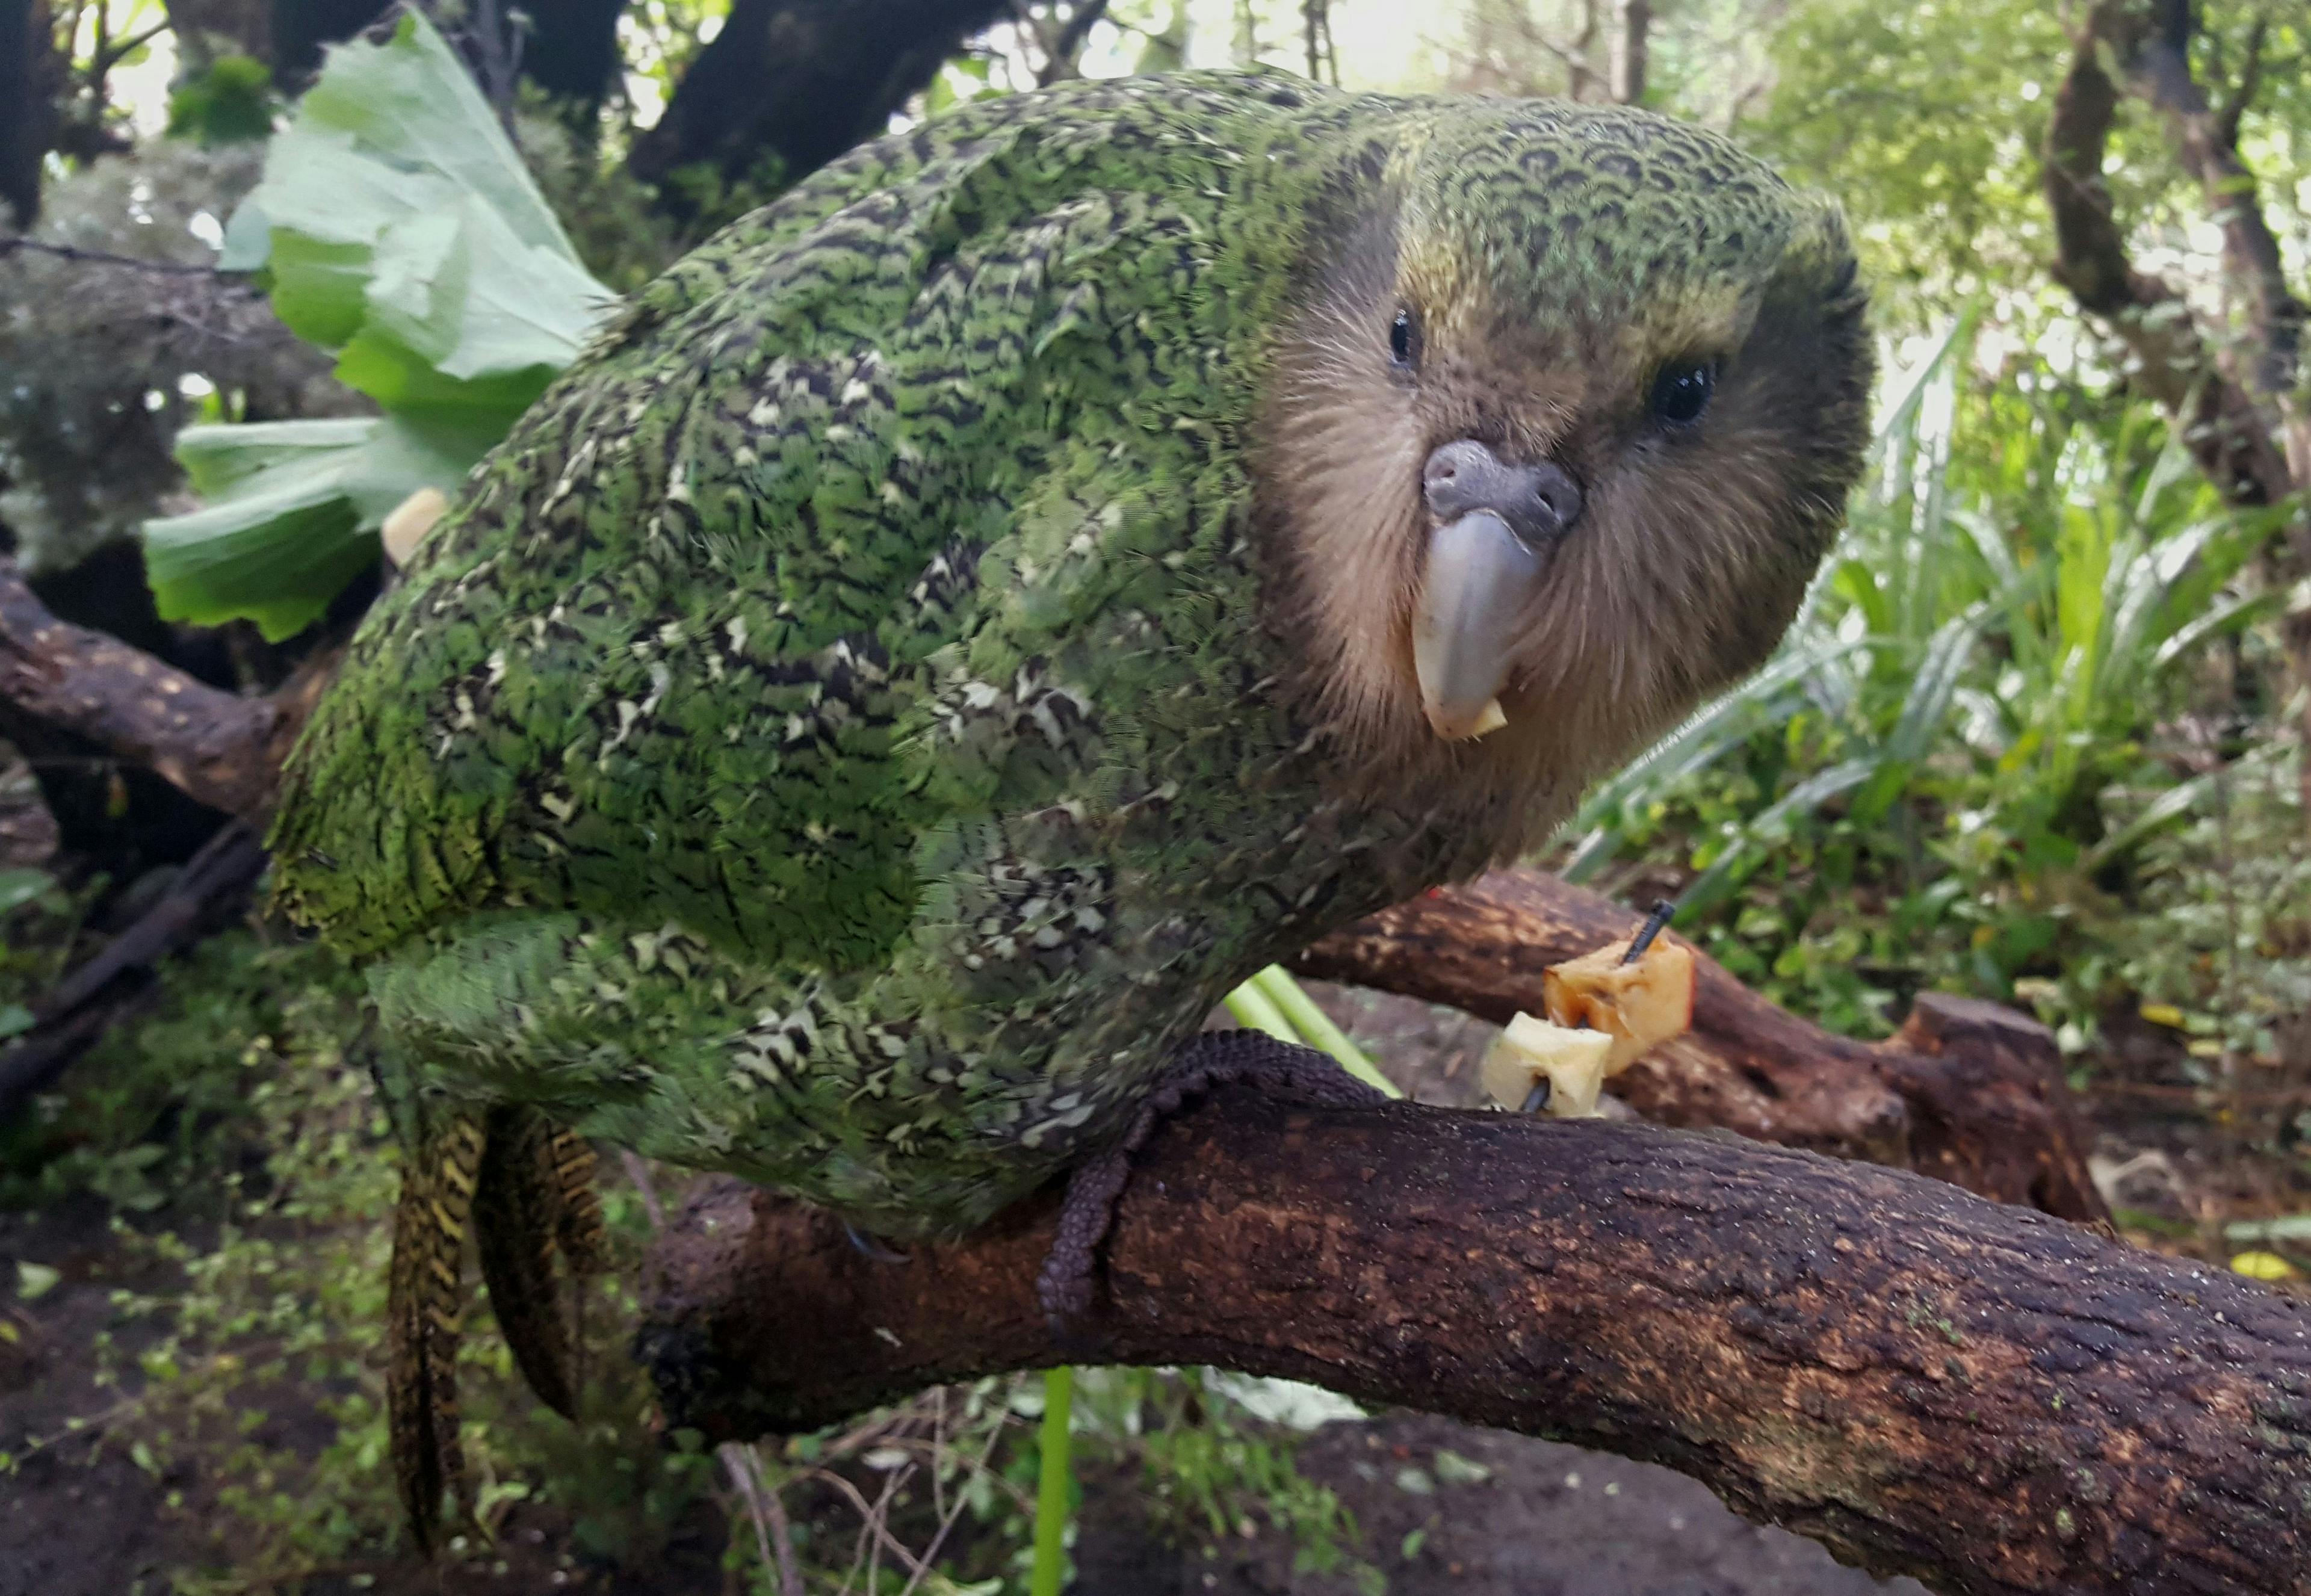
(1967, 1091)
(1976, 1394)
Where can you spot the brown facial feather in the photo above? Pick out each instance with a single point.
(1693, 551)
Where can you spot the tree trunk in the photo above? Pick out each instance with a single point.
(301, 28)
(1929, 1383)
(800, 82)
(572, 50)
(207, 29)
(2250, 434)
(28, 110)
(1969, 1091)
(1633, 22)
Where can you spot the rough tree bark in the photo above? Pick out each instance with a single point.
(216, 746)
(1981, 1396)
(803, 80)
(1969, 1091)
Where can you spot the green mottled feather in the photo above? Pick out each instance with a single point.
(839, 737)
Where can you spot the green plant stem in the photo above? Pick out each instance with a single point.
(1053, 1480)
(1315, 1027)
(1255, 1009)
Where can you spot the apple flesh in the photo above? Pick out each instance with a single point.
(1531, 1049)
(1636, 1004)
(1602, 1015)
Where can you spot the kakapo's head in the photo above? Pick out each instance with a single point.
(1561, 425)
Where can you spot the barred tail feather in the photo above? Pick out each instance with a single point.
(517, 1215)
(577, 1231)
(425, 1301)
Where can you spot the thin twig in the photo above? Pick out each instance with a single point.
(872, 1516)
(12, 242)
(948, 1517)
(645, 1187)
(773, 1533)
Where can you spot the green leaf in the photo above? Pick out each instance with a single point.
(396, 226)
(401, 217)
(35, 1280)
(2287, 1228)
(230, 103)
(19, 887)
(16, 1019)
(293, 513)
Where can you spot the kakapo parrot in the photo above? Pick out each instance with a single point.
(962, 620)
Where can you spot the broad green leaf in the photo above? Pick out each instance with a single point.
(293, 514)
(396, 226)
(2287, 1227)
(400, 212)
(19, 887)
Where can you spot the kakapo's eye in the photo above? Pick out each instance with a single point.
(1682, 390)
(1404, 339)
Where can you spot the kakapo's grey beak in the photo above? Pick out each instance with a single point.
(1496, 526)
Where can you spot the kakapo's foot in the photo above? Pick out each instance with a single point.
(1215, 1059)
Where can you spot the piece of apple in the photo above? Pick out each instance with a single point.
(1636, 1004)
(411, 520)
(1531, 1049)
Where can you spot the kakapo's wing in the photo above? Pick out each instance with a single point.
(667, 659)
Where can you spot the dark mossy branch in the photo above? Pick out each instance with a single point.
(210, 892)
(1969, 1092)
(1991, 1400)
(801, 81)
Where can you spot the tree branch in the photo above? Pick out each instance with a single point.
(802, 81)
(10, 243)
(209, 894)
(1929, 1383)
(215, 747)
(1068, 43)
(2243, 92)
(1969, 1092)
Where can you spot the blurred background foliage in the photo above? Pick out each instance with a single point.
(2038, 736)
